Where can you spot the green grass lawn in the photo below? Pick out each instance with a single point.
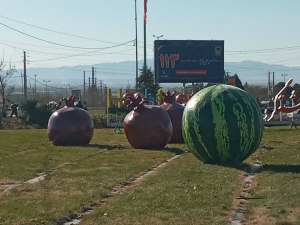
(279, 181)
(184, 191)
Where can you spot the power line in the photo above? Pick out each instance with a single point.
(264, 50)
(99, 70)
(80, 54)
(103, 53)
(69, 46)
(47, 53)
(54, 87)
(58, 32)
(247, 68)
(40, 46)
(148, 46)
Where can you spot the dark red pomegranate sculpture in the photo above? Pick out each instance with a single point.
(181, 99)
(70, 125)
(132, 101)
(148, 127)
(175, 111)
(127, 95)
(126, 99)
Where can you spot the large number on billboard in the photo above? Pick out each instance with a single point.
(188, 61)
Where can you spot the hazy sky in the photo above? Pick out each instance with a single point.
(258, 30)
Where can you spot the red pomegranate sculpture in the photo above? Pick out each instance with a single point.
(132, 101)
(70, 125)
(126, 99)
(181, 99)
(175, 112)
(148, 127)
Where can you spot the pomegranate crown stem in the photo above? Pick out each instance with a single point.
(69, 101)
(141, 106)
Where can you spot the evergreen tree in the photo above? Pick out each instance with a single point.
(296, 87)
(146, 80)
(238, 82)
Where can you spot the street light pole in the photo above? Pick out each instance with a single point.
(136, 51)
(67, 85)
(46, 81)
(284, 75)
(158, 37)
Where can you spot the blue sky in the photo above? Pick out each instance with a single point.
(258, 30)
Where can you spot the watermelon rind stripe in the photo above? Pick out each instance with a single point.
(221, 130)
(196, 141)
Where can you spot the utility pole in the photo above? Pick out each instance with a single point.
(105, 97)
(93, 85)
(145, 31)
(269, 86)
(22, 81)
(35, 85)
(101, 94)
(66, 88)
(89, 90)
(46, 81)
(83, 85)
(273, 85)
(93, 77)
(136, 52)
(25, 78)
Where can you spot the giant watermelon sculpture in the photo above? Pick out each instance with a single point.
(222, 124)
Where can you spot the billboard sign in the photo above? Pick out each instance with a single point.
(188, 61)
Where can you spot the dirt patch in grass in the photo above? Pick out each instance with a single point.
(261, 216)
(237, 200)
(249, 182)
(62, 165)
(293, 215)
(7, 181)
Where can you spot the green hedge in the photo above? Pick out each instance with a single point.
(35, 112)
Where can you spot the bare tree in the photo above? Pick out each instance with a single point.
(7, 83)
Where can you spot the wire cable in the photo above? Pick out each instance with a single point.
(58, 32)
(69, 46)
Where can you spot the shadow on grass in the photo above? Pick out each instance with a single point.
(108, 147)
(176, 151)
(245, 167)
(281, 168)
(267, 168)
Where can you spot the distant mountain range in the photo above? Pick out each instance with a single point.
(123, 73)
